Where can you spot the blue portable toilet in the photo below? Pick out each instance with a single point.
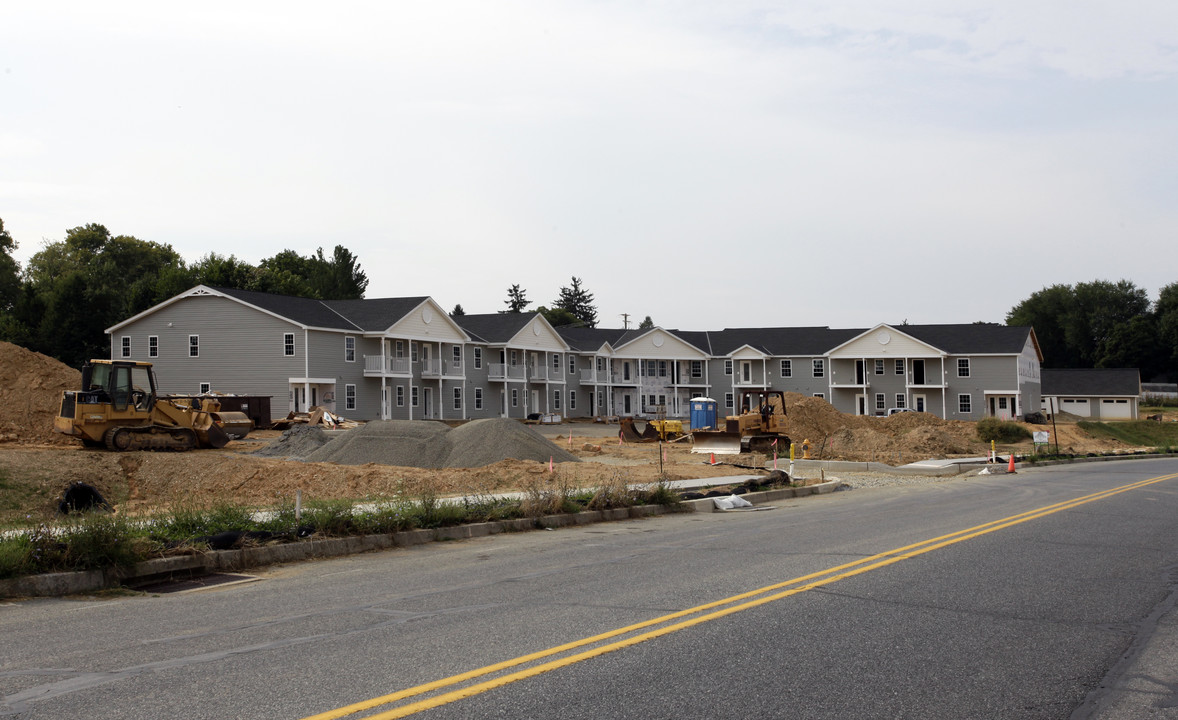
(703, 413)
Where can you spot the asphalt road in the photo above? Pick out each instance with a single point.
(1046, 594)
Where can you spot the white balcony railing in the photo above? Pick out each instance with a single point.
(391, 365)
(501, 371)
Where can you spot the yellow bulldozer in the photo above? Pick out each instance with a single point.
(760, 424)
(119, 409)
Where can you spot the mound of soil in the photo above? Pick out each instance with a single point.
(414, 443)
(30, 394)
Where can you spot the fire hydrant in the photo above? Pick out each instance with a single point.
(805, 449)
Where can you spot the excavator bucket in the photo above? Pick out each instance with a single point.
(718, 442)
(235, 424)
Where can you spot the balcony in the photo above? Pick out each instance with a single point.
(378, 365)
(502, 372)
(436, 368)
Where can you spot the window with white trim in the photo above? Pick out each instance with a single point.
(555, 362)
(899, 366)
(349, 397)
(126, 349)
(478, 398)
(600, 365)
(962, 367)
(400, 396)
(728, 369)
(697, 368)
(288, 346)
(727, 400)
(478, 358)
(787, 368)
(662, 368)
(413, 397)
(600, 400)
(572, 364)
(555, 399)
(412, 351)
(457, 356)
(514, 397)
(819, 367)
(400, 351)
(572, 399)
(651, 368)
(881, 401)
(879, 366)
(349, 348)
(964, 404)
(901, 400)
(194, 346)
(206, 388)
(457, 398)
(820, 395)
(153, 346)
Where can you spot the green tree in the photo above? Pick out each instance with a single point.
(646, 324)
(9, 272)
(88, 282)
(558, 317)
(338, 277)
(1166, 316)
(1094, 324)
(516, 300)
(457, 311)
(579, 302)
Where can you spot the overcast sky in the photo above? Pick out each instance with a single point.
(708, 164)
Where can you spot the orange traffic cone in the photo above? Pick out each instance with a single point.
(713, 461)
(1010, 467)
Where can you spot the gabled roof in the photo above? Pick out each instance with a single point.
(781, 341)
(1098, 382)
(494, 328)
(973, 339)
(376, 314)
(583, 339)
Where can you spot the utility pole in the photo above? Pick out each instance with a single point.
(625, 321)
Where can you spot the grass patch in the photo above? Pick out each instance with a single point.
(1142, 433)
(1004, 431)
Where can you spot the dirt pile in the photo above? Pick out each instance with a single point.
(904, 437)
(30, 394)
(413, 443)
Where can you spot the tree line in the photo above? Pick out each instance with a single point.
(61, 302)
(1103, 324)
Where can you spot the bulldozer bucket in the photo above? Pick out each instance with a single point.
(718, 442)
(235, 424)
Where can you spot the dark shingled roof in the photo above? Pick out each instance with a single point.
(374, 315)
(585, 339)
(1098, 382)
(976, 339)
(494, 327)
(782, 342)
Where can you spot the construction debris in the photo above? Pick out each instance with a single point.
(315, 416)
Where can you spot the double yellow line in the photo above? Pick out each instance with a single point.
(666, 624)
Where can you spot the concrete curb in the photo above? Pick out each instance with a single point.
(185, 566)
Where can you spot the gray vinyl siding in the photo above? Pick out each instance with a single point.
(480, 378)
(985, 374)
(241, 350)
(802, 380)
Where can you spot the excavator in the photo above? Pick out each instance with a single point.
(119, 409)
(761, 423)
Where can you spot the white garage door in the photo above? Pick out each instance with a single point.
(1076, 406)
(1112, 409)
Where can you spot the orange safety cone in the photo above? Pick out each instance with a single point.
(1010, 467)
(713, 460)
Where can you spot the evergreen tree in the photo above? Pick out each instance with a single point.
(516, 299)
(579, 302)
(646, 324)
(457, 311)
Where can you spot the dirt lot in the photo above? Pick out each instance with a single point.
(36, 464)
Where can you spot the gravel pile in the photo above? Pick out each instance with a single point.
(297, 442)
(416, 443)
(854, 481)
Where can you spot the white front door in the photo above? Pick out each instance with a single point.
(918, 403)
(536, 401)
(428, 399)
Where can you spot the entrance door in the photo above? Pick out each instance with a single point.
(626, 403)
(862, 404)
(536, 401)
(428, 399)
(860, 377)
(503, 402)
(918, 403)
(918, 372)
